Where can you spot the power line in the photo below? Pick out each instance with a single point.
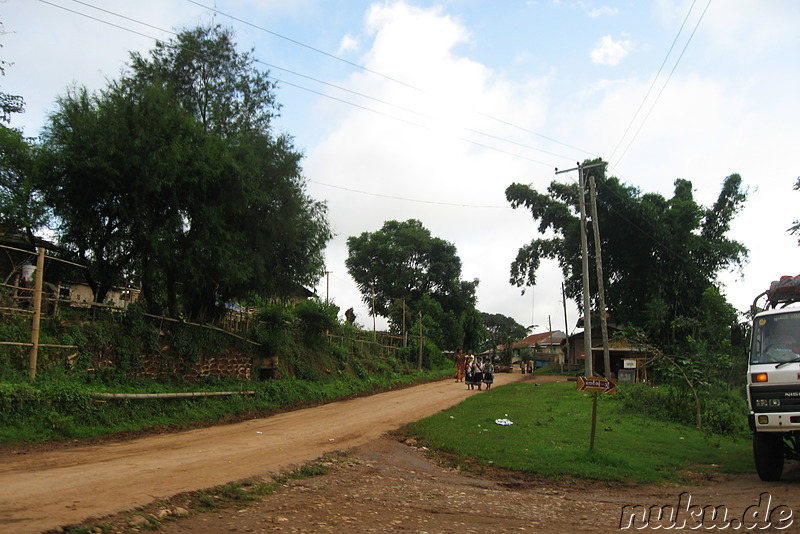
(376, 73)
(420, 201)
(655, 78)
(325, 95)
(304, 45)
(464, 139)
(658, 97)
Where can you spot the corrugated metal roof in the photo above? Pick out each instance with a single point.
(553, 337)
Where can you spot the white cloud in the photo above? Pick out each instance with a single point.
(601, 11)
(594, 12)
(610, 52)
(348, 44)
(430, 162)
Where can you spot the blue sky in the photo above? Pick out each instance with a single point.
(452, 101)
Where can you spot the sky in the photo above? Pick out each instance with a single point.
(430, 110)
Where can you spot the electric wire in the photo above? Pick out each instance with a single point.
(621, 215)
(284, 82)
(304, 45)
(655, 78)
(405, 199)
(334, 86)
(658, 97)
(376, 73)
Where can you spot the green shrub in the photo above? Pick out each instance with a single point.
(723, 411)
(315, 317)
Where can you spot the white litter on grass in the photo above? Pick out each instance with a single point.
(504, 422)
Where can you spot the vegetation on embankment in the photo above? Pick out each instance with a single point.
(318, 360)
(63, 408)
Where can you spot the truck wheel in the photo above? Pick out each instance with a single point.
(768, 454)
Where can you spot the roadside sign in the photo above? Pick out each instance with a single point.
(597, 384)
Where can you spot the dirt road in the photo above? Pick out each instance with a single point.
(380, 485)
(42, 490)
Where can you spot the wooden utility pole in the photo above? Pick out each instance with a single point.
(405, 333)
(374, 328)
(566, 324)
(601, 294)
(37, 314)
(419, 364)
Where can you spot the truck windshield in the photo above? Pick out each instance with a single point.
(776, 339)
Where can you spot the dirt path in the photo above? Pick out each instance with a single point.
(385, 486)
(43, 490)
(380, 485)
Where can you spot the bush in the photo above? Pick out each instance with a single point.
(315, 317)
(723, 411)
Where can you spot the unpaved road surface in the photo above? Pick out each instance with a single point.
(379, 485)
(42, 490)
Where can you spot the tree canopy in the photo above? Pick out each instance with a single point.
(403, 262)
(501, 330)
(173, 177)
(9, 104)
(659, 255)
(21, 210)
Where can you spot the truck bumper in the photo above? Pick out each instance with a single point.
(774, 422)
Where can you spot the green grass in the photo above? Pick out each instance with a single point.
(64, 409)
(551, 435)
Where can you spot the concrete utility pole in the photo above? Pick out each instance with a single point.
(587, 305)
(601, 293)
(587, 308)
(327, 285)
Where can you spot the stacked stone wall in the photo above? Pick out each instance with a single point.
(228, 364)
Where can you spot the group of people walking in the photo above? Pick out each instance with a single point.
(474, 372)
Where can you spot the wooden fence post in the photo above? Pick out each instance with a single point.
(37, 314)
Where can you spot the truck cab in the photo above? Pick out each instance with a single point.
(773, 385)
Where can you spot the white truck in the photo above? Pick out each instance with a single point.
(773, 378)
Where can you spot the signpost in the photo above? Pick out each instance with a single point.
(596, 384)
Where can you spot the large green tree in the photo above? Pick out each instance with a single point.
(21, 209)
(403, 262)
(116, 164)
(173, 175)
(659, 254)
(501, 330)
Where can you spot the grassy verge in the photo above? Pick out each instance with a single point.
(551, 431)
(62, 409)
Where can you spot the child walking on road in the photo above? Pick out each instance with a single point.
(488, 373)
